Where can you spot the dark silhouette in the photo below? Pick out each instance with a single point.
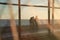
(33, 24)
(36, 23)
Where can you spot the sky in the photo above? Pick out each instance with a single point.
(27, 12)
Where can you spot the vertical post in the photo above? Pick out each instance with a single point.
(19, 13)
(52, 12)
(48, 11)
(49, 16)
(12, 22)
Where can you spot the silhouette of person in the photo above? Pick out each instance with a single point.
(32, 23)
(36, 23)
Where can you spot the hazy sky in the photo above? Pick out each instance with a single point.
(27, 12)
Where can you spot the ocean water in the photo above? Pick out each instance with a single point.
(6, 22)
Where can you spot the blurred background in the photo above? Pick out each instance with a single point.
(48, 24)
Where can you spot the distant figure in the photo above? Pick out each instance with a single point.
(32, 24)
(36, 23)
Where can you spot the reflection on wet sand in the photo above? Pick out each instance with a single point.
(43, 33)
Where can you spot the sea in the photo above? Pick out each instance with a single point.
(6, 22)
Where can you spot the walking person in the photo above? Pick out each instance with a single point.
(36, 26)
(32, 24)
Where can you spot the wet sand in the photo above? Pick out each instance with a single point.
(42, 34)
